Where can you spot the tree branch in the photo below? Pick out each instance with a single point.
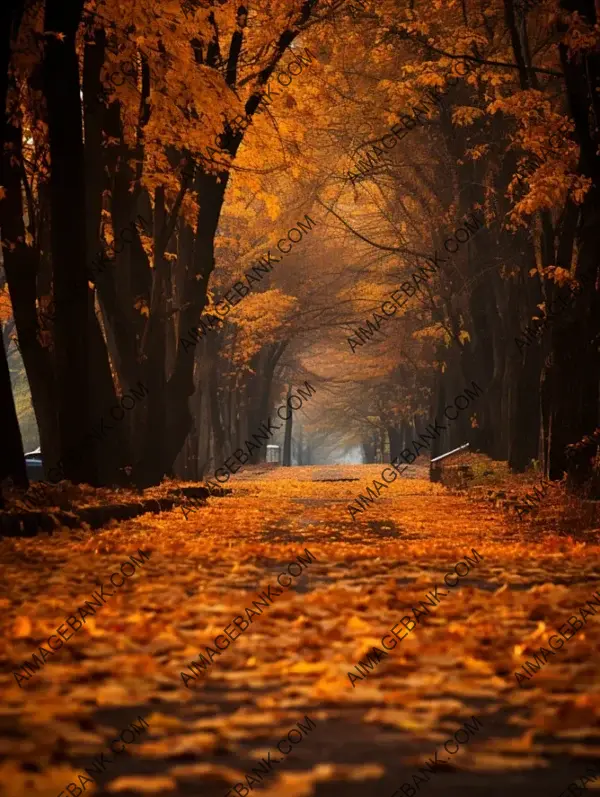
(372, 243)
(415, 39)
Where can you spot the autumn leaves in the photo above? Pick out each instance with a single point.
(363, 335)
(433, 599)
(229, 632)
(528, 504)
(239, 289)
(299, 62)
(401, 129)
(100, 763)
(469, 229)
(240, 123)
(406, 790)
(573, 624)
(74, 623)
(265, 768)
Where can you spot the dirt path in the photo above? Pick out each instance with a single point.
(357, 580)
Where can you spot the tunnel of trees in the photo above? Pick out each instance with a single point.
(204, 205)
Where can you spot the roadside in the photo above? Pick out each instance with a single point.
(50, 507)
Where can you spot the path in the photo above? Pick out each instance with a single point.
(294, 659)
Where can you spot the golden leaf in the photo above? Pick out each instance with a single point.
(143, 784)
(22, 627)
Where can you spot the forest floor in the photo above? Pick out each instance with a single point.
(292, 663)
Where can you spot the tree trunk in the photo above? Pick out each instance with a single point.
(181, 384)
(111, 458)
(524, 369)
(524, 419)
(575, 333)
(154, 461)
(368, 446)
(215, 405)
(301, 451)
(72, 298)
(12, 461)
(438, 404)
(287, 438)
(12, 456)
(21, 265)
(395, 441)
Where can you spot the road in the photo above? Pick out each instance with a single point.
(452, 666)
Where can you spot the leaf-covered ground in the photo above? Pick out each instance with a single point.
(295, 658)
